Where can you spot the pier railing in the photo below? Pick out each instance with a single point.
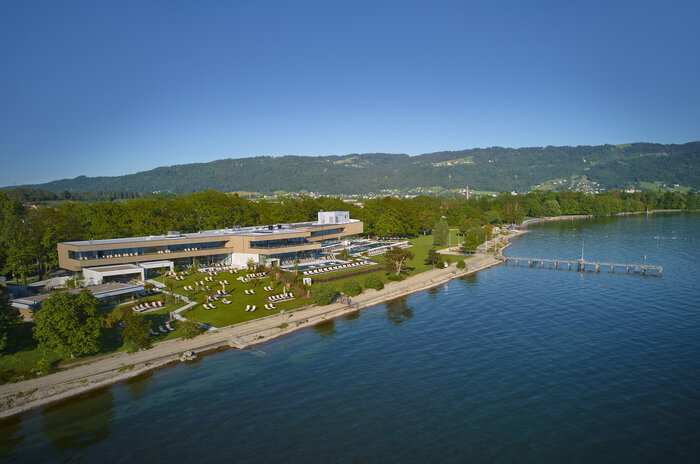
(581, 265)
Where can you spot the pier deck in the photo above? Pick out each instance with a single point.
(581, 265)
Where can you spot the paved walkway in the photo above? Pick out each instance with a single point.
(98, 372)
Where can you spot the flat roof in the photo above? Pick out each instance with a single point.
(100, 291)
(118, 267)
(254, 231)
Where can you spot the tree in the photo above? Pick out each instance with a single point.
(372, 281)
(473, 238)
(351, 288)
(323, 293)
(191, 329)
(8, 317)
(396, 258)
(433, 258)
(464, 225)
(426, 220)
(135, 333)
(344, 254)
(69, 324)
(551, 208)
(441, 233)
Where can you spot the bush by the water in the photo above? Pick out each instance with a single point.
(461, 264)
(351, 288)
(372, 281)
(191, 329)
(323, 294)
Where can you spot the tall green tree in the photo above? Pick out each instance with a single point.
(135, 333)
(69, 324)
(433, 257)
(473, 238)
(441, 233)
(8, 317)
(396, 258)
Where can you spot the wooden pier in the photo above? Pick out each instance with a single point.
(582, 266)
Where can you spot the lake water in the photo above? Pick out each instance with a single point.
(511, 365)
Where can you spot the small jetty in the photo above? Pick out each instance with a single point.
(583, 266)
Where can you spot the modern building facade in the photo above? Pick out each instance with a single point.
(110, 259)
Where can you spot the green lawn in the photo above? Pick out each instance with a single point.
(421, 246)
(235, 312)
(22, 358)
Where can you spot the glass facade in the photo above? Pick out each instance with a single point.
(279, 243)
(321, 233)
(138, 251)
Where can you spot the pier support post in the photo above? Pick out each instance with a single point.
(628, 269)
(556, 264)
(644, 270)
(612, 268)
(569, 263)
(597, 267)
(542, 263)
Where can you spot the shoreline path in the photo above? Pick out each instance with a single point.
(16, 398)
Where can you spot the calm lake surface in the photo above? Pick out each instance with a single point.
(511, 365)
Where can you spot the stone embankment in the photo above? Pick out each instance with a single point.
(100, 372)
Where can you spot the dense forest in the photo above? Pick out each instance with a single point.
(494, 168)
(28, 235)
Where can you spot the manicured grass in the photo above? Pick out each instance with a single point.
(421, 246)
(235, 312)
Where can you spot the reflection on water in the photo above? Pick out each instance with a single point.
(10, 435)
(325, 329)
(353, 316)
(80, 422)
(398, 310)
(138, 385)
(433, 292)
(469, 280)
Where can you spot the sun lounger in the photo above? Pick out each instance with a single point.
(160, 327)
(152, 331)
(167, 326)
(247, 307)
(253, 308)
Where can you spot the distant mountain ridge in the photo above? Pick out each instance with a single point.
(493, 168)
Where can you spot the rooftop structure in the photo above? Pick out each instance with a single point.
(112, 258)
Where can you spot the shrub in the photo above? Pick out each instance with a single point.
(191, 329)
(44, 366)
(112, 319)
(351, 288)
(461, 264)
(131, 345)
(372, 281)
(323, 294)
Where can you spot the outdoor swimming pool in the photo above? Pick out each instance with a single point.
(306, 267)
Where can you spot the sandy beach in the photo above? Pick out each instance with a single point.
(103, 371)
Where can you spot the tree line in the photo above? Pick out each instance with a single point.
(29, 233)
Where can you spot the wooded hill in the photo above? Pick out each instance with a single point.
(493, 168)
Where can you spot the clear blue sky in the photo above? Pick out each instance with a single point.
(108, 88)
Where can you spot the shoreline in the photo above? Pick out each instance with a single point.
(20, 397)
(17, 398)
(572, 217)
